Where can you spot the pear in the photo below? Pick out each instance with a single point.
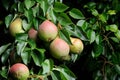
(59, 49)
(47, 31)
(19, 71)
(16, 27)
(76, 46)
(32, 34)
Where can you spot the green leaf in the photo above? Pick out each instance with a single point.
(35, 23)
(112, 28)
(117, 68)
(4, 47)
(29, 3)
(117, 34)
(20, 7)
(29, 15)
(52, 15)
(98, 39)
(111, 12)
(115, 39)
(26, 56)
(95, 12)
(4, 72)
(32, 44)
(60, 7)
(5, 56)
(76, 13)
(38, 56)
(64, 20)
(91, 35)
(8, 20)
(54, 76)
(65, 35)
(47, 66)
(103, 17)
(97, 50)
(44, 5)
(80, 23)
(20, 47)
(26, 25)
(66, 74)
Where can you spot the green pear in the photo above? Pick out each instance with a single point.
(47, 31)
(59, 49)
(16, 27)
(76, 46)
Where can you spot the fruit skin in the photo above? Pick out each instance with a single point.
(32, 34)
(47, 31)
(16, 27)
(19, 71)
(76, 46)
(59, 49)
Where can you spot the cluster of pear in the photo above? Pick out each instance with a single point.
(48, 32)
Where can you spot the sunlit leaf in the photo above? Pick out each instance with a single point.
(47, 66)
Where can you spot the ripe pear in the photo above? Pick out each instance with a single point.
(76, 46)
(19, 71)
(32, 34)
(59, 49)
(47, 31)
(16, 27)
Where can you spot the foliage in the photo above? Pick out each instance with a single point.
(95, 23)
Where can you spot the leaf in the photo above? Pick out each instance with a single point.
(117, 34)
(5, 56)
(112, 28)
(4, 47)
(26, 25)
(117, 68)
(60, 7)
(76, 14)
(29, 3)
(26, 56)
(20, 7)
(91, 35)
(65, 36)
(8, 20)
(20, 47)
(44, 5)
(103, 17)
(35, 23)
(66, 74)
(32, 44)
(38, 57)
(47, 66)
(52, 15)
(54, 76)
(98, 39)
(95, 12)
(29, 15)
(80, 23)
(97, 50)
(64, 20)
(4, 72)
